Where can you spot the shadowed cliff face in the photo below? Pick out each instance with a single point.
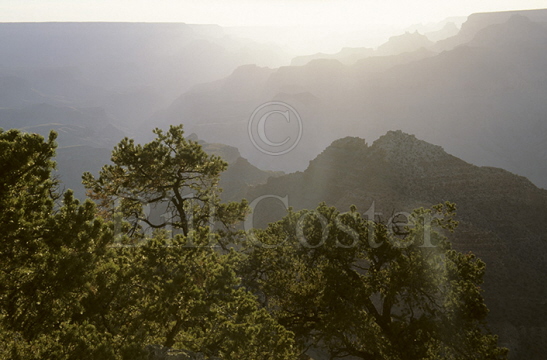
(482, 100)
(501, 215)
(240, 175)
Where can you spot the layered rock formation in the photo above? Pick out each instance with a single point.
(501, 216)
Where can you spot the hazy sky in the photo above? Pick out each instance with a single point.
(335, 13)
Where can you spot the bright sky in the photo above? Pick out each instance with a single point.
(331, 13)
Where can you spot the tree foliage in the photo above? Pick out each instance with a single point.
(170, 176)
(315, 280)
(48, 251)
(69, 292)
(351, 287)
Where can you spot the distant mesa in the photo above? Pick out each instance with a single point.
(483, 100)
(396, 45)
(479, 21)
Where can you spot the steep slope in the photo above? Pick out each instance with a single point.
(501, 216)
(407, 42)
(240, 175)
(484, 101)
(321, 91)
(477, 22)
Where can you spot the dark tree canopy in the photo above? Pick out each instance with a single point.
(328, 282)
(48, 251)
(66, 292)
(351, 287)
